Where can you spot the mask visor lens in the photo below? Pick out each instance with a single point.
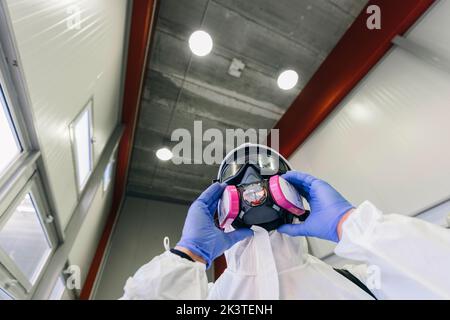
(230, 170)
(269, 164)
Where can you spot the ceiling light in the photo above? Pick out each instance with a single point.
(164, 154)
(200, 43)
(287, 79)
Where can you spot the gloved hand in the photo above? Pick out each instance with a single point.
(327, 208)
(200, 234)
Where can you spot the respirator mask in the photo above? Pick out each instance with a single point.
(256, 194)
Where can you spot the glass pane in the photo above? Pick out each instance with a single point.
(24, 240)
(82, 141)
(9, 145)
(58, 290)
(4, 295)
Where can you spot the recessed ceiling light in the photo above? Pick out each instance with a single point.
(164, 154)
(287, 79)
(200, 43)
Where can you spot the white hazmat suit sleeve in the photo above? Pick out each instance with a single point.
(406, 258)
(168, 276)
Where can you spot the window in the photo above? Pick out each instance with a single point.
(10, 146)
(24, 240)
(81, 130)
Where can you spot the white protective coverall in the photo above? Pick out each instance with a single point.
(404, 258)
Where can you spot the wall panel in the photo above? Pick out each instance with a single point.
(89, 235)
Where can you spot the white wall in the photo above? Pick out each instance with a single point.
(433, 30)
(388, 142)
(64, 68)
(84, 248)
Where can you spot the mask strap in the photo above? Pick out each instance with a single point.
(268, 282)
(166, 243)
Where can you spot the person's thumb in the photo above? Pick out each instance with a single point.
(294, 230)
(238, 235)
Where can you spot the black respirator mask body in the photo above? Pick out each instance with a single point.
(255, 192)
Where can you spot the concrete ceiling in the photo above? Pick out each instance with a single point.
(268, 36)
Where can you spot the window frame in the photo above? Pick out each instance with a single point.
(16, 124)
(88, 107)
(10, 286)
(35, 189)
(4, 105)
(29, 164)
(19, 178)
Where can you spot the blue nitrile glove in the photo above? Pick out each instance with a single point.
(327, 208)
(200, 234)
